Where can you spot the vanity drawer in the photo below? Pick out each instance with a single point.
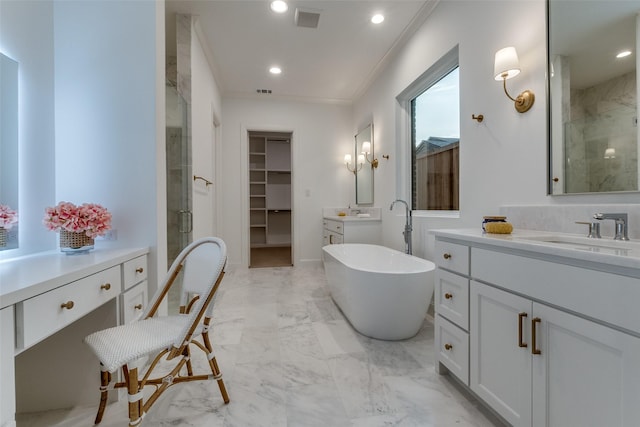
(452, 344)
(335, 226)
(452, 297)
(41, 316)
(135, 271)
(452, 256)
(134, 301)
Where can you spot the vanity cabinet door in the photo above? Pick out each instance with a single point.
(500, 369)
(586, 374)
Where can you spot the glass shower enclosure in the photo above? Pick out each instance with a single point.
(178, 155)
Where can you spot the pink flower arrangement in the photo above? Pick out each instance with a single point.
(90, 218)
(8, 217)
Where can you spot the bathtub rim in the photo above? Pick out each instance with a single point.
(425, 263)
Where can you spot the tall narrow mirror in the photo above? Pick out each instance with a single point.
(364, 177)
(593, 131)
(8, 153)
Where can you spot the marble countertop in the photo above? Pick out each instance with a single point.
(604, 251)
(28, 276)
(351, 218)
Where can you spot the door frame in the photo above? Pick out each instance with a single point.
(244, 176)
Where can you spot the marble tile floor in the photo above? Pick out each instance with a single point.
(289, 358)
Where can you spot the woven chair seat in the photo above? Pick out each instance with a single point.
(120, 345)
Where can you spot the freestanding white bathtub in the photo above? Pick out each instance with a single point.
(384, 293)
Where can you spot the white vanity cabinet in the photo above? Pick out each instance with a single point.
(48, 303)
(537, 365)
(451, 300)
(351, 230)
(553, 341)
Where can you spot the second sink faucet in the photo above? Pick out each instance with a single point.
(622, 232)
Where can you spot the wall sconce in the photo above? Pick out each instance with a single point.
(506, 67)
(366, 149)
(610, 153)
(347, 160)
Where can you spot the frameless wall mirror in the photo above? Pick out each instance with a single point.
(8, 152)
(364, 176)
(593, 129)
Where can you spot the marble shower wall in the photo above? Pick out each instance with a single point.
(602, 117)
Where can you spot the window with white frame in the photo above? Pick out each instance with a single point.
(432, 139)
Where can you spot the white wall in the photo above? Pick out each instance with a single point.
(26, 35)
(205, 105)
(322, 134)
(106, 114)
(90, 115)
(503, 159)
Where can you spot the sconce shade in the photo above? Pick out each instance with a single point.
(506, 63)
(360, 159)
(347, 159)
(610, 153)
(366, 147)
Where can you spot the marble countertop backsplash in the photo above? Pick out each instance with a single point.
(562, 218)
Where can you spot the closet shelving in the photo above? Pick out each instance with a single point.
(269, 190)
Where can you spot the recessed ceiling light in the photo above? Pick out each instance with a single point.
(275, 70)
(623, 54)
(279, 6)
(377, 18)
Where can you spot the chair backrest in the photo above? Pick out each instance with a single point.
(202, 263)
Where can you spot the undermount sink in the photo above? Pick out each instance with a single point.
(603, 245)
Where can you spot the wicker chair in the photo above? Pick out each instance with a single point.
(123, 346)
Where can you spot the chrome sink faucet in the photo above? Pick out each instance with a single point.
(408, 227)
(621, 224)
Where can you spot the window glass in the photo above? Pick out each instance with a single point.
(435, 144)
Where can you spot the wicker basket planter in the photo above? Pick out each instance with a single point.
(71, 242)
(3, 237)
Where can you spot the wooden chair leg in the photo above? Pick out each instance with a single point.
(213, 364)
(187, 353)
(135, 399)
(105, 379)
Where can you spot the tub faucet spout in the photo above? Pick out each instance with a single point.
(408, 226)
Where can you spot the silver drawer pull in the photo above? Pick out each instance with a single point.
(138, 306)
(68, 305)
(139, 270)
(106, 286)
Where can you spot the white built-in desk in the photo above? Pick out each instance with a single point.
(43, 362)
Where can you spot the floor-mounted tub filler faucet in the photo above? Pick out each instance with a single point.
(622, 232)
(408, 228)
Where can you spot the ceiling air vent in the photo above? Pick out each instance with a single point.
(307, 18)
(267, 91)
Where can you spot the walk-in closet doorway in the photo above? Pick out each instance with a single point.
(270, 214)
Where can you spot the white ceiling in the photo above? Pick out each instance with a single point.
(335, 61)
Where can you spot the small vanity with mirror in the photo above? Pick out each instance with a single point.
(362, 224)
(593, 131)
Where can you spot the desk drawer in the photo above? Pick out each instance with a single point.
(135, 271)
(134, 301)
(41, 316)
